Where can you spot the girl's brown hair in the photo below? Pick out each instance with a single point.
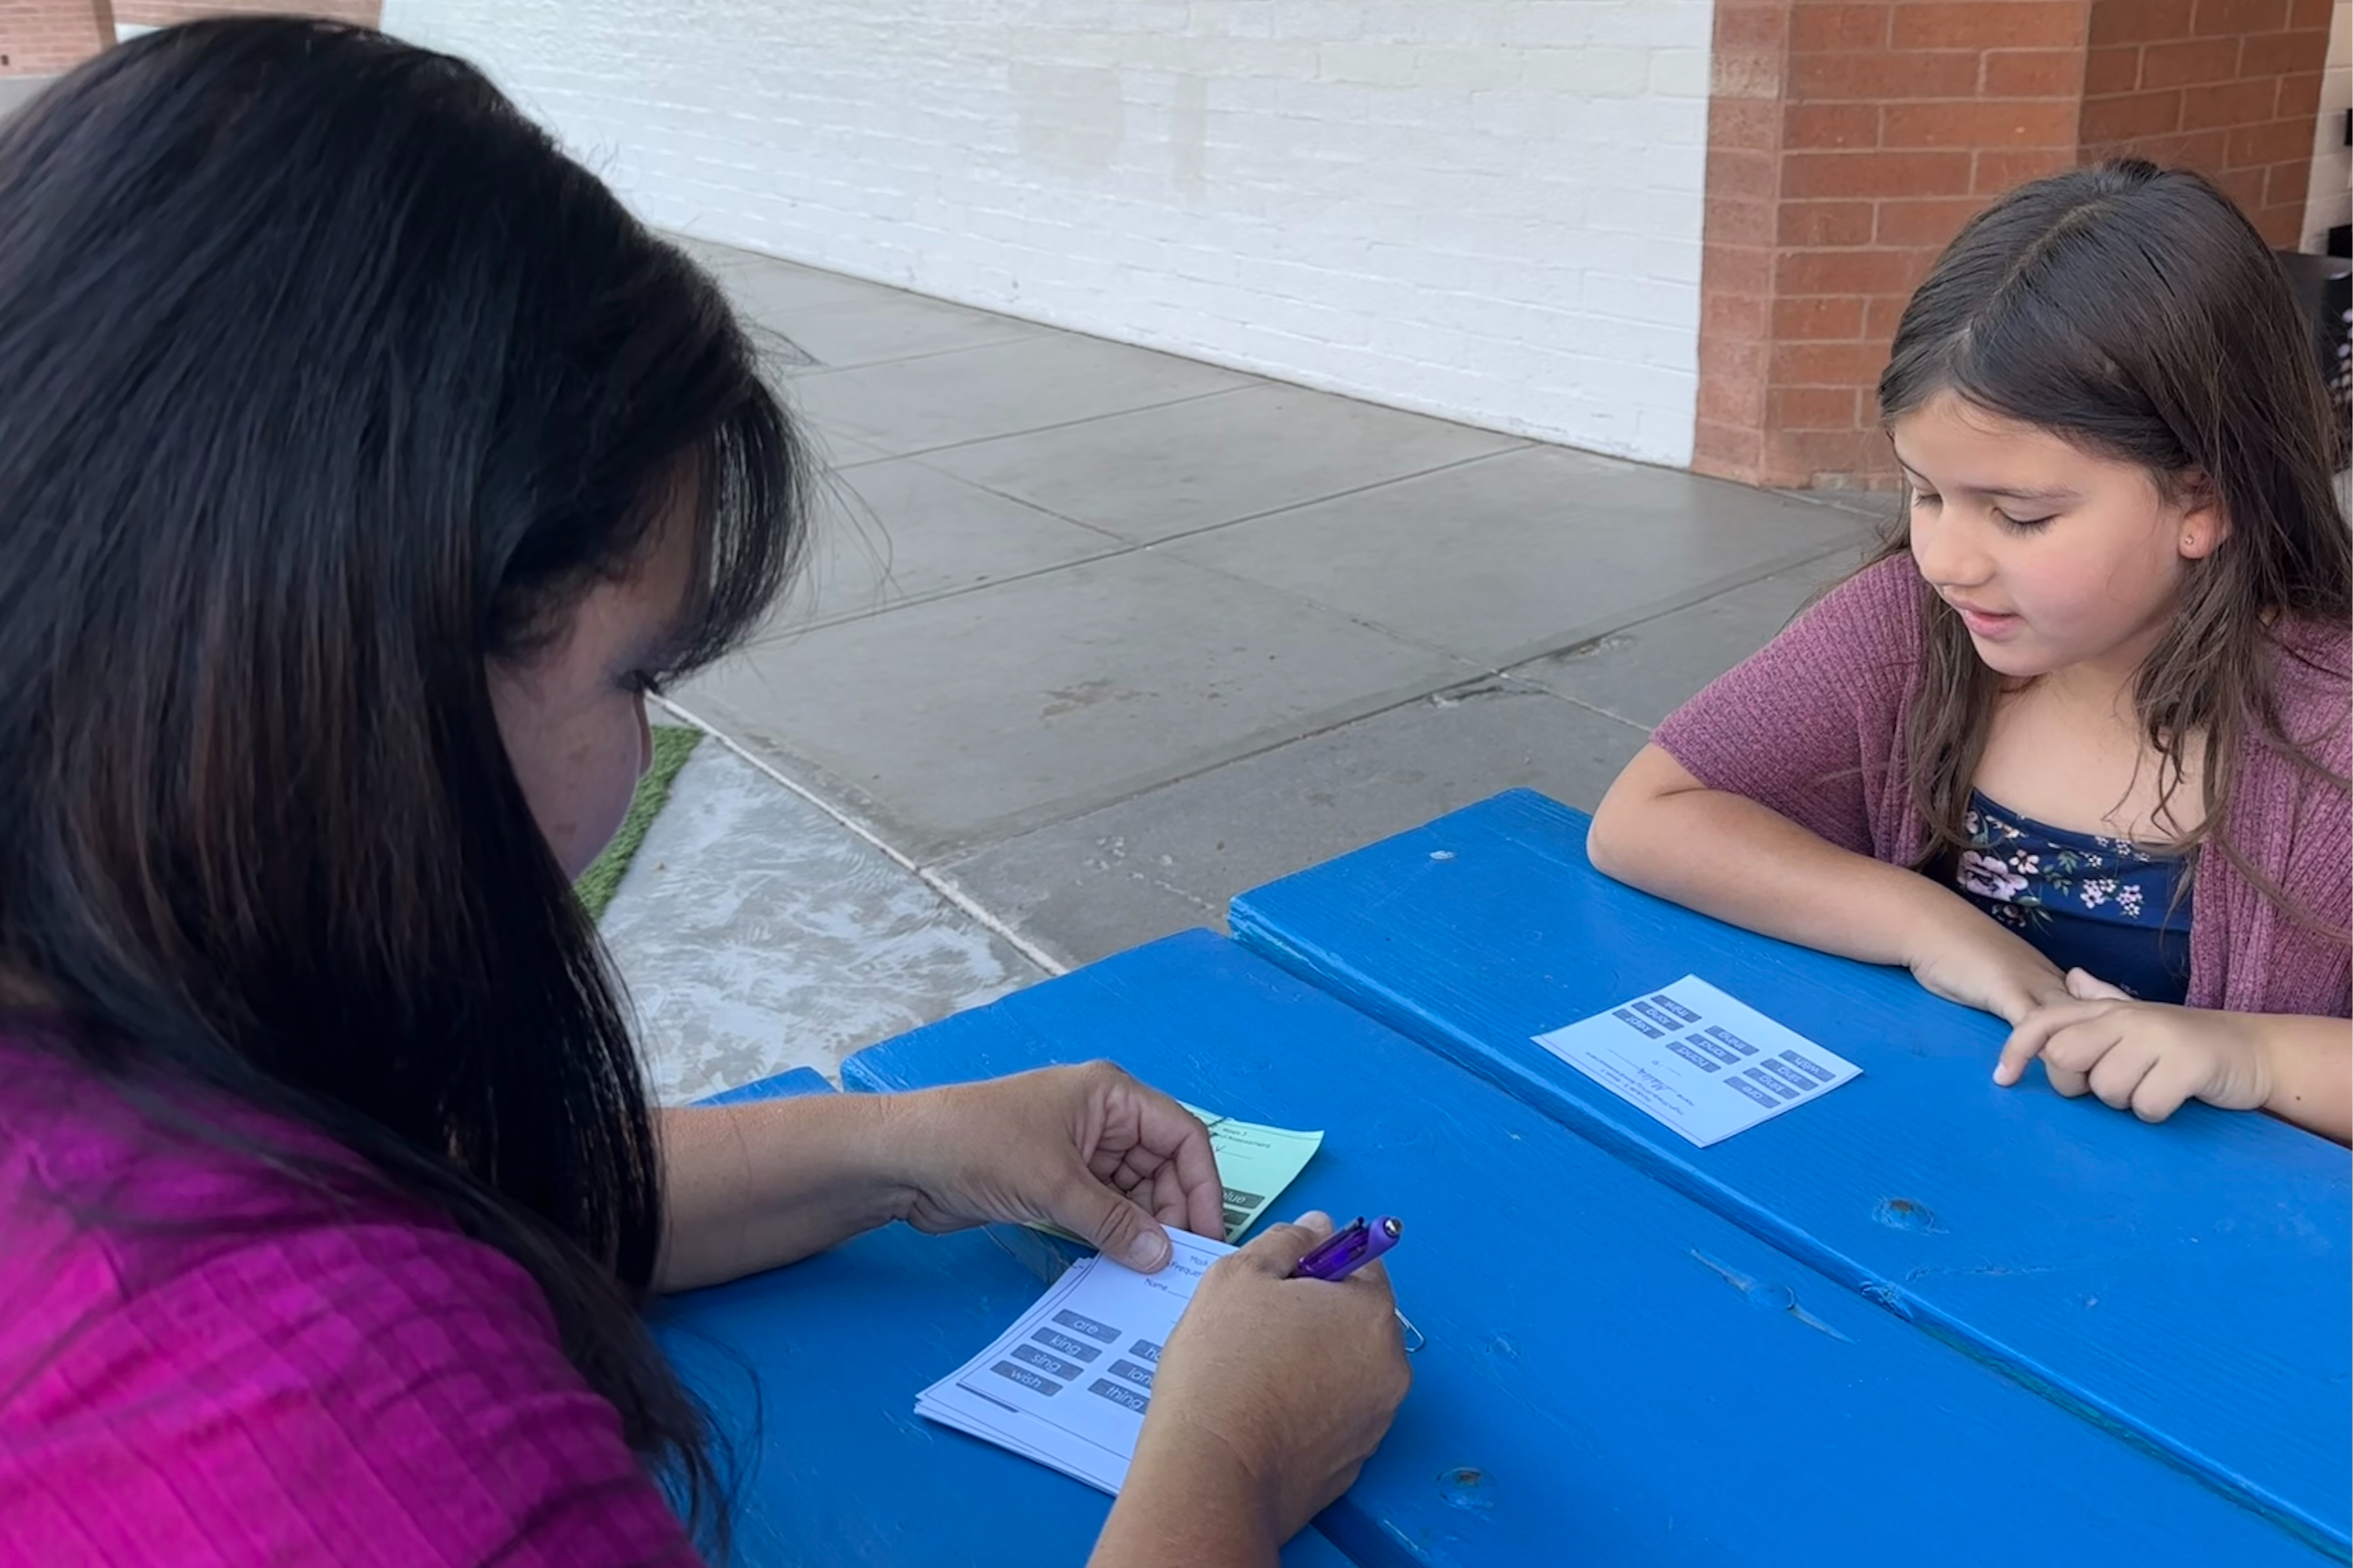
(2134, 311)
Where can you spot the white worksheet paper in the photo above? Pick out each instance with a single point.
(1703, 1063)
(1068, 1384)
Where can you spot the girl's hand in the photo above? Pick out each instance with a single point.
(2145, 1055)
(1967, 956)
(1272, 1392)
(1085, 1147)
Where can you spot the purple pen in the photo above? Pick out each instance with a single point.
(1349, 1249)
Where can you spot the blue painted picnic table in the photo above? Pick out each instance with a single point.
(1614, 1372)
(2186, 1286)
(1920, 1320)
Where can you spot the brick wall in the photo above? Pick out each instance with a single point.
(41, 38)
(2227, 87)
(1847, 144)
(1487, 209)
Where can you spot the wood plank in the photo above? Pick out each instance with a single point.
(2188, 1282)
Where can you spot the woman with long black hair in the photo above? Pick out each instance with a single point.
(362, 467)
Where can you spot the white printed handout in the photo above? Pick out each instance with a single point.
(1068, 1384)
(1704, 1063)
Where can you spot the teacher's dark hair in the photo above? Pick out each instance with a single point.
(325, 382)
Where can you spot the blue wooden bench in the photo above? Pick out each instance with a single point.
(2186, 1286)
(1615, 1373)
(810, 1374)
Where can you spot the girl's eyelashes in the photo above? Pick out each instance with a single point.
(1921, 498)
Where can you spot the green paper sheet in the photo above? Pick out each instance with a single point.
(1256, 1163)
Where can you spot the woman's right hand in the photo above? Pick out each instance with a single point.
(1967, 956)
(1270, 1396)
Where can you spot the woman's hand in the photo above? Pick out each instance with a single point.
(1085, 1147)
(2145, 1056)
(1270, 1397)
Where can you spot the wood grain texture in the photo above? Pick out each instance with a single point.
(811, 1372)
(1614, 1373)
(2185, 1283)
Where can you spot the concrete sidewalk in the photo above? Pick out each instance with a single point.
(1098, 638)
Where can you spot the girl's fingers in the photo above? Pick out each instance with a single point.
(2066, 1080)
(2069, 1056)
(2087, 987)
(2120, 1072)
(2032, 1037)
(2083, 1046)
(2169, 1086)
(2025, 1043)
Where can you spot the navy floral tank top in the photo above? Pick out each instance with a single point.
(2105, 906)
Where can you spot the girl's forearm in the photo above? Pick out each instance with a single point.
(2311, 1063)
(1727, 856)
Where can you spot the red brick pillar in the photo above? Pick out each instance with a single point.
(2229, 87)
(1846, 145)
(1848, 142)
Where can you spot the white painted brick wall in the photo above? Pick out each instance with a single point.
(1485, 209)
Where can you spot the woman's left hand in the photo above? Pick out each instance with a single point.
(2145, 1056)
(1088, 1149)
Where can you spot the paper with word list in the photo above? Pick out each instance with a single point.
(1703, 1063)
(1068, 1384)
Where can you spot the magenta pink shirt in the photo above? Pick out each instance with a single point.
(273, 1375)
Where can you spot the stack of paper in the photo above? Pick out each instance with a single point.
(1067, 1385)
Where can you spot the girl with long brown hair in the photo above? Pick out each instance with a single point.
(2075, 747)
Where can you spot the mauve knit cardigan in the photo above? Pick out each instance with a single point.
(1813, 727)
